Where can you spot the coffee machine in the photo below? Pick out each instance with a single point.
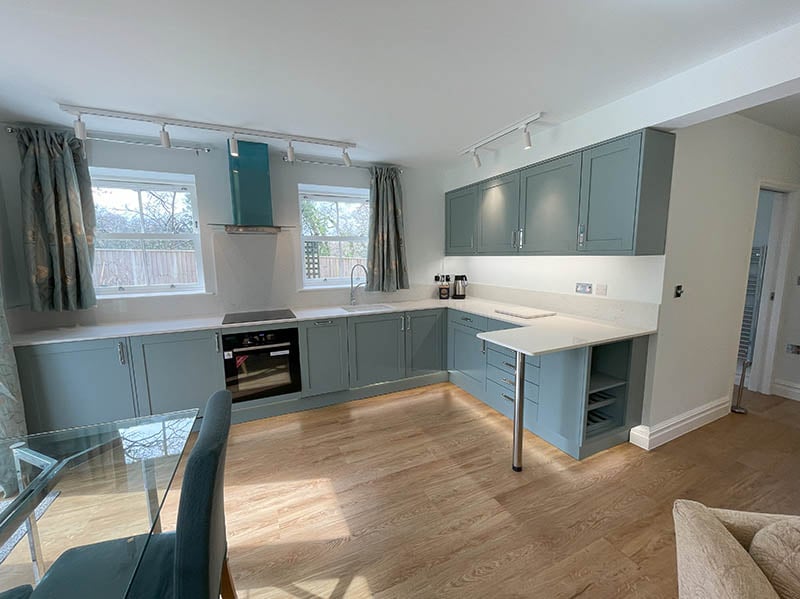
(460, 286)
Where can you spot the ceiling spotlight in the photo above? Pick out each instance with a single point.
(233, 145)
(165, 141)
(346, 157)
(80, 129)
(290, 153)
(527, 135)
(475, 158)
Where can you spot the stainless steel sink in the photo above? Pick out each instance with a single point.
(367, 308)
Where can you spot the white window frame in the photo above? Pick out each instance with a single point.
(355, 195)
(141, 181)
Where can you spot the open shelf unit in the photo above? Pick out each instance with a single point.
(607, 388)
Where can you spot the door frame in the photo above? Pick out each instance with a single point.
(785, 215)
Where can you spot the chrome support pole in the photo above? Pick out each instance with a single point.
(151, 490)
(31, 528)
(737, 408)
(519, 403)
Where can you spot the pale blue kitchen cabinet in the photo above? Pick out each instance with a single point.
(75, 383)
(376, 348)
(625, 188)
(550, 195)
(466, 354)
(461, 216)
(425, 340)
(323, 356)
(498, 215)
(177, 371)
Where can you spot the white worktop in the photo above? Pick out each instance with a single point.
(560, 333)
(557, 334)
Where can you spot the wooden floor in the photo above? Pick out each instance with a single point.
(412, 495)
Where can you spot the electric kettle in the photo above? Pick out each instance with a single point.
(460, 287)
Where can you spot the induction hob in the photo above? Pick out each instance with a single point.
(257, 316)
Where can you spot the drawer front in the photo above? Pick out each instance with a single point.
(529, 361)
(466, 319)
(505, 363)
(505, 380)
(498, 394)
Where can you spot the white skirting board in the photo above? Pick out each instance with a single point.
(650, 437)
(786, 389)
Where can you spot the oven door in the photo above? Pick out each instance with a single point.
(262, 371)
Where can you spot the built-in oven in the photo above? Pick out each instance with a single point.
(262, 363)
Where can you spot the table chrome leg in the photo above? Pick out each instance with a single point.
(519, 403)
(31, 528)
(151, 489)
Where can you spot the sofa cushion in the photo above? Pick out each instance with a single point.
(712, 564)
(776, 550)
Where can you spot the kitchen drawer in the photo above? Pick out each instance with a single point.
(499, 395)
(466, 319)
(505, 380)
(529, 361)
(505, 362)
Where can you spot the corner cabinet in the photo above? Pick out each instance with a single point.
(607, 199)
(75, 383)
(323, 356)
(461, 217)
(177, 371)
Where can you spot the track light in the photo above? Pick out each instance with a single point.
(165, 140)
(233, 145)
(346, 157)
(475, 158)
(80, 128)
(527, 135)
(290, 153)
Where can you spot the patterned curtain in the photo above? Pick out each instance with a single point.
(386, 256)
(12, 413)
(58, 220)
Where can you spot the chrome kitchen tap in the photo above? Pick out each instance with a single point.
(353, 289)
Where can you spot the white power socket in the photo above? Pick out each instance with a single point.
(585, 288)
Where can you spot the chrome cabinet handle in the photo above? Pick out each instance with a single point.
(408, 322)
(121, 353)
(508, 381)
(466, 319)
(483, 346)
(581, 235)
(216, 342)
(511, 366)
(504, 396)
(514, 239)
(402, 324)
(521, 239)
(322, 323)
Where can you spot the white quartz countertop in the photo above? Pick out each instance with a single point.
(560, 333)
(535, 335)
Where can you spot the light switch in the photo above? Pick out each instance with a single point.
(601, 289)
(793, 349)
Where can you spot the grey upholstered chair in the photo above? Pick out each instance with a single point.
(190, 563)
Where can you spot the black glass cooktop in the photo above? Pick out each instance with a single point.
(257, 316)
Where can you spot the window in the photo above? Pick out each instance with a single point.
(334, 233)
(147, 239)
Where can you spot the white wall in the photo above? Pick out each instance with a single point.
(719, 167)
(244, 271)
(786, 367)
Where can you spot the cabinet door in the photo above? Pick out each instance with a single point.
(377, 348)
(550, 195)
(609, 192)
(467, 352)
(461, 210)
(75, 384)
(498, 215)
(424, 342)
(177, 371)
(323, 356)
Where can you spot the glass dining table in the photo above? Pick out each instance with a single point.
(85, 485)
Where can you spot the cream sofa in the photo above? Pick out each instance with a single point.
(724, 554)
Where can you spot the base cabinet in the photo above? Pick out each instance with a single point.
(323, 356)
(177, 371)
(74, 384)
(376, 348)
(424, 342)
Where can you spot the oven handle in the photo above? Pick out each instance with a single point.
(274, 345)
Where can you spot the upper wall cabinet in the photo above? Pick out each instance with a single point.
(549, 206)
(461, 212)
(498, 215)
(608, 199)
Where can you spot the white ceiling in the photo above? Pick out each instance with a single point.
(407, 81)
(783, 114)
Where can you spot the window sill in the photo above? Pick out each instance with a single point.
(324, 287)
(117, 296)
